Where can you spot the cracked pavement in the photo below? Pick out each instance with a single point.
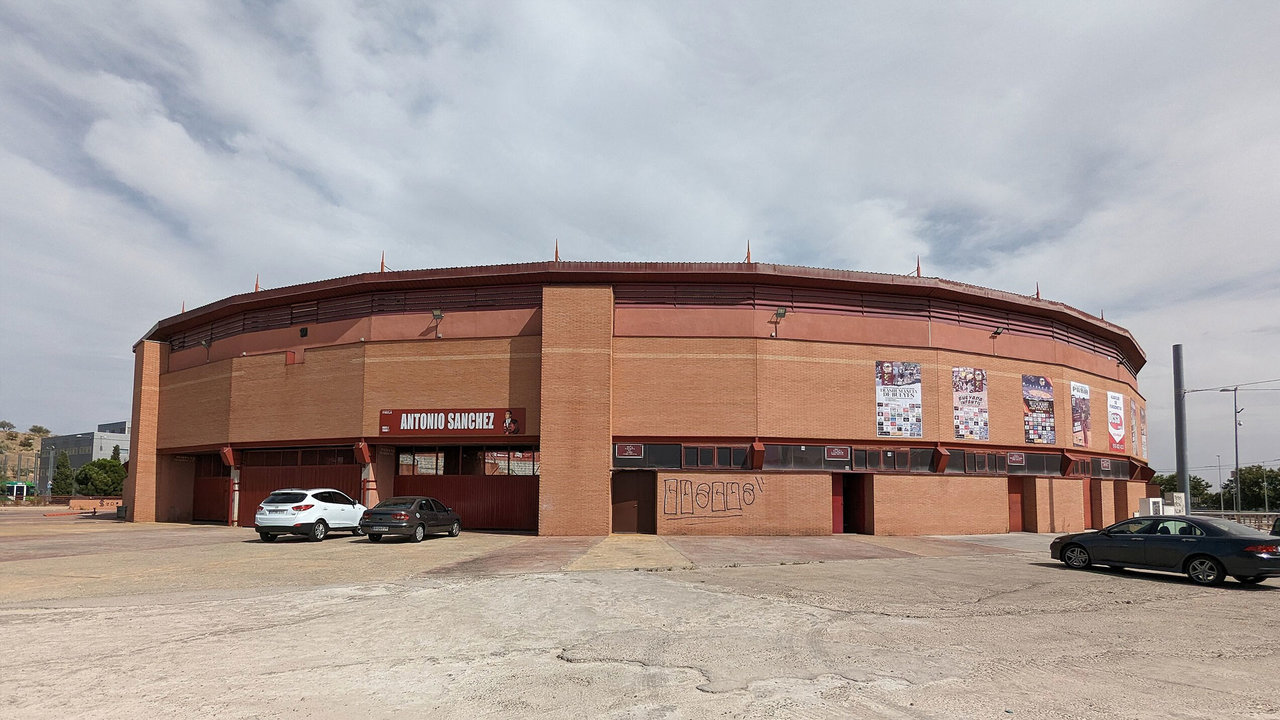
(107, 620)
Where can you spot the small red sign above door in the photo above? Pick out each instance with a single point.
(466, 421)
(839, 452)
(628, 450)
(1017, 459)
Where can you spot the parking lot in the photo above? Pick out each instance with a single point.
(107, 619)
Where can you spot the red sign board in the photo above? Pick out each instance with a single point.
(628, 450)
(1017, 459)
(839, 452)
(452, 422)
(1106, 464)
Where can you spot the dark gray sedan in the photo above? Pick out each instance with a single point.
(412, 516)
(1206, 549)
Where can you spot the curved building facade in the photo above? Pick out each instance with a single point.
(577, 398)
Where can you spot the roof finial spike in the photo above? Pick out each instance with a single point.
(382, 265)
(557, 249)
(748, 250)
(1037, 290)
(256, 286)
(917, 266)
(184, 306)
(1102, 314)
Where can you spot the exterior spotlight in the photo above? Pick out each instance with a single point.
(997, 332)
(438, 315)
(206, 343)
(780, 313)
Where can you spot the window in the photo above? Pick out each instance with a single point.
(1175, 527)
(664, 455)
(921, 459)
(1131, 527)
(437, 506)
(722, 457)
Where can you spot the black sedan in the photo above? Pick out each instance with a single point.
(412, 516)
(1206, 549)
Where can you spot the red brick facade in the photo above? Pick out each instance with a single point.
(591, 368)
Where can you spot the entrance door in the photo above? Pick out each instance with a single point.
(1015, 504)
(635, 501)
(855, 504)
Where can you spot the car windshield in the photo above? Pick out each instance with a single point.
(396, 503)
(285, 498)
(1230, 527)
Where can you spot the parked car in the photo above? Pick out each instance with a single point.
(311, 513)
(413, 516)
(1275, 527)
(1206, 549)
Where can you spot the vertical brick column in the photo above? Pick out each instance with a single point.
(140, 485)
(575, 417)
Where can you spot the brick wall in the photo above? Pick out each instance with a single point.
(691, 503)
(576, 428)
(1053, 505)
(947, 505)
(140, 485)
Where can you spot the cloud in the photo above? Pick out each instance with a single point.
(155, 154)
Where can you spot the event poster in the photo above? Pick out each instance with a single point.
(1115, 420)
(1143, 415)
(969, 392)
(1037, 410)
(899, 411)
(1133, 424)
(1081, 423)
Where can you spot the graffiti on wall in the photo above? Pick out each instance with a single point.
(709, 499)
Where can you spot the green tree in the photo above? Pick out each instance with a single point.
(115, 453)
(6, 425)
(1201, 494)
(63, 477)
(39, 431)
(101, 477)
(1251, 481)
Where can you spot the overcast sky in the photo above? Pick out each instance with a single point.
(1125, 156)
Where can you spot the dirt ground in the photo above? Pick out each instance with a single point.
(111, 620)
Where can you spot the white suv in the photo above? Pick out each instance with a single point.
(312, 513)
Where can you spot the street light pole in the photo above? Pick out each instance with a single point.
(1235, 426)
(1221, 492)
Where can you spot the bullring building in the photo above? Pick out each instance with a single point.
(583, 398)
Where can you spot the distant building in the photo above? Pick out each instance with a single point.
(82, 449)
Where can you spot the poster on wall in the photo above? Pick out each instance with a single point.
(1133, 424)
(1081, 422)
(899, 411)
(1143, 410)
(1037, 410)
(969, 394)
(1115, 421)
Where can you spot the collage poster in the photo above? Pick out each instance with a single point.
(1037, 410)
(969, 391)
(1081, 422)
(1143, 412)
(1133, 425)
(1115, 420)
(899, 411)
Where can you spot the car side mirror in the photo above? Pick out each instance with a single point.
(1105, 532)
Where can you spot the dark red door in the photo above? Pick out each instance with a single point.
(1015, 504)
(837, 504)
(635, 502)
(211, 499)
(256, 483)
(484, 502)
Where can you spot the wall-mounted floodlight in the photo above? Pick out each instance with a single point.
(206, 343)
(438, 315)
(997, 332)
(780, 313)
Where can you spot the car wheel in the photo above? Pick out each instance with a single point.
(267, 537)
(1204, 570)
(318, 531)
(455, 530)
(375, 538)
(419, 533)
(358, 531)
(1075, 556)
(1249, 579)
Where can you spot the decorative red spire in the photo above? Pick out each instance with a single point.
(748, 251)
(1037, 290)
(917, 266)
(382, 265)
(256, 286)
(557, 249)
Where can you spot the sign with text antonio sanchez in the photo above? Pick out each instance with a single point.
(452, 422)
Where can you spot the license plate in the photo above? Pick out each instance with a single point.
(377, 529)
(275, 512)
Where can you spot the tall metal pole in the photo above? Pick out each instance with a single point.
(1180, 424)
(1235, 425)
(1221, 503)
